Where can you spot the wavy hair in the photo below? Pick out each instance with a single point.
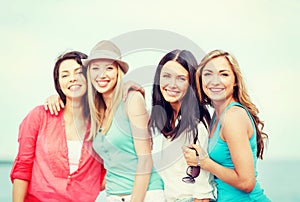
(191, 112)
(240, 93)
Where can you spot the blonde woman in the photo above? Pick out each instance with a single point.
(119, 129)
(236, 137)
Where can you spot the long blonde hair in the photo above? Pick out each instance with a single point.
(98, 107)
(240, 93)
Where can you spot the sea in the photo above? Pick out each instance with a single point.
(279, 178)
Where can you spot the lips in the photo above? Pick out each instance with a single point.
(172, 93)
(102, 83)
(216, 90)
(74, 87)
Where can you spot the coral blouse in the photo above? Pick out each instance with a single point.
(42, 160)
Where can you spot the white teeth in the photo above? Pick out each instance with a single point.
(216, 90)
(171, 93)
(74, 87)
(102, 83)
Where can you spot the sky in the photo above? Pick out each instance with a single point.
(262, 34)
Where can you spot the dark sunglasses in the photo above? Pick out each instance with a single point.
(192, 171)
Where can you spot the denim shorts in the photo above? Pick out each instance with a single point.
(185, 200)
(152, 195)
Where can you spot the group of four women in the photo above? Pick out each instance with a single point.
(177, 153)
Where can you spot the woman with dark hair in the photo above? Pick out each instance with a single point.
(178, 120)
(55, 160)
(236, 136)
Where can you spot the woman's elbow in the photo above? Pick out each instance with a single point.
(248, 185)
(145, 164)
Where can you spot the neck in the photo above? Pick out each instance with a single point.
(74, 110)
(176, 108)
(108, 97)
(221, 105)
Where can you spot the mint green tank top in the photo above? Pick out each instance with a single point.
(116, 148)
(219, 152)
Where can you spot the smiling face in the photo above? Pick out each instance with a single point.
(218, 80)
(174, 82)
(104, 75)
(71, 79)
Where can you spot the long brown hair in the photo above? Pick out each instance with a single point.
(240, 94)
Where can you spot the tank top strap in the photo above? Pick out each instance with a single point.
(216, 135)
(214, 115)
(250, 116)
(233, 104)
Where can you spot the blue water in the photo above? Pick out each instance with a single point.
(280, 179)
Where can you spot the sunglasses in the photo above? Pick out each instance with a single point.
(192, 171)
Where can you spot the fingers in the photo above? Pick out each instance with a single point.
(185, 149)
(51, 109)
(53, 104)
(188, 152)
(132, 86)
(61, 103)
(46, 105)
(195, 146)
(143, 92)
(202, 154)
(189, 155)
(124, 95)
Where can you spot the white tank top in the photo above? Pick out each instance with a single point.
(74, 153)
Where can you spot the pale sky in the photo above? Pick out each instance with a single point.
(262, 34)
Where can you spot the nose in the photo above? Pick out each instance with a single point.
(73, 77)
(172, 83)
(101, 72)
(215, 79)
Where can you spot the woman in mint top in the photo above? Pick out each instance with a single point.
(236, 137)
(120, 129)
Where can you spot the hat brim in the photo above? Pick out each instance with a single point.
(123, 65)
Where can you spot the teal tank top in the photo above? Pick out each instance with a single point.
(219, 152)
(116, 148)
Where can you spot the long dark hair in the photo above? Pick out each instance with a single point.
(190, 113)
(77, 56)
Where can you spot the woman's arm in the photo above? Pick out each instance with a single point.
(237, 137)
(138, 116)
(203, 189)
(21, 171)
(19, 190)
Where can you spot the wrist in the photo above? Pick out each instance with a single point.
(198, 160)
(204, 162)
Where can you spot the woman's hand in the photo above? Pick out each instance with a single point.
(53, 104)
(190, 155)
(129, 86)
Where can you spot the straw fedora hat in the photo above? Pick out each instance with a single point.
(106, 50)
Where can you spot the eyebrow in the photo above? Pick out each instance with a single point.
(222, 70)
(166, 72)
(66, 71)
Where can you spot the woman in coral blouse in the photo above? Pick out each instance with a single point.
(55, 161)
